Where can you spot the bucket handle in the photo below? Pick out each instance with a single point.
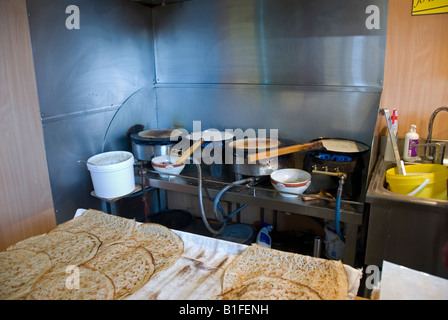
(419, 188)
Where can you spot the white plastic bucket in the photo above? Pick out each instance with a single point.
(334, 246)
(112, 174)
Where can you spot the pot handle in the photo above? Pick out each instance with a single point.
(286, 150)
(189, 151)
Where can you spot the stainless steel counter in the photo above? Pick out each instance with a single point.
(262, 195)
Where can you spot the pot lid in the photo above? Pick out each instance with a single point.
(255, 143)
(157, 136)
(159, 133)
(343, 145)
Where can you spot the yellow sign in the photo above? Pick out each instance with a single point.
(420, 7)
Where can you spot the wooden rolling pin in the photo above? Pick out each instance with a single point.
(286, 150)
(189, 151)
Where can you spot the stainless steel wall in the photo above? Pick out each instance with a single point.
(300, 114)
(307, 68)
(84, 76)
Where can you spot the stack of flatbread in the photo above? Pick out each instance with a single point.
(93, 256)
(262, 273)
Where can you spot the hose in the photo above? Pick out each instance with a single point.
(226, 218)
(337, 218)
(201, 206)
(220, 194)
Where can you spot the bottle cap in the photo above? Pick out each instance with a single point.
(394, 116)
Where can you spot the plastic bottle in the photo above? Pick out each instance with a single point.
(263, 237)
(409, 151)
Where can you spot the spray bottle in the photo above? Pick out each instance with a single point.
(263, 237)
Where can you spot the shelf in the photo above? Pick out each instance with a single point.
(261, 196)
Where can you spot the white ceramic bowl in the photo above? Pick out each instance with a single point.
(294, 181)
(166, 165)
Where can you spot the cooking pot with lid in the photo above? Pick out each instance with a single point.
(237, 152)
(212, 148)
(212, 145)
(152, 143)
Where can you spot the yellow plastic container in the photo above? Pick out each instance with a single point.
(416, 177)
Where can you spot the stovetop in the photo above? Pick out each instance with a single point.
(217, 176)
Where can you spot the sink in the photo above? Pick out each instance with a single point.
(377, 189)
(402, 229)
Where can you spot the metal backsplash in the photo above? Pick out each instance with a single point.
(83, 77)
(307, 68)
(320, 42)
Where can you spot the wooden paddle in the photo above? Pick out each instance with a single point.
(189, 151)
(285, 150)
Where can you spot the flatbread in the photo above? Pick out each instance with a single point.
(64, 248)
(129, 268)
(108, 228)
(327, 277)
(77, 284)
(270, 288)
(19, 270)
(165, 246)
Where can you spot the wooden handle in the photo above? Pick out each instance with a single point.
(189, 151)
(286, 150)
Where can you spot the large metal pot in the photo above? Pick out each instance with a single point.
(153, 143)
(212, 145)
(237, 152)
(339, 155)
(212, 148)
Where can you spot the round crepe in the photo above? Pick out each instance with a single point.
(327, 277)
(270, 288)
(129, 268)
(106, 227)
(19, 270)
(78, 284)
(64, 248)
(165, 246)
